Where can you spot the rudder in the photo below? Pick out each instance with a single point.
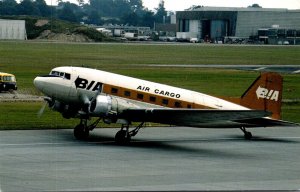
(265, 93)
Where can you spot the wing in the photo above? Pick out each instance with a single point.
(208, 118)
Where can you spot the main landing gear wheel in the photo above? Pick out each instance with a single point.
(247, 134)
(122, 137)
(80, 132)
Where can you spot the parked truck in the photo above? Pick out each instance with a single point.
(7, 82)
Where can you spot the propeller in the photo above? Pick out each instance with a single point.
(87, 102)
(41, 111)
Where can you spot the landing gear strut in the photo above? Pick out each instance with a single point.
(247, 134)
(81, 131)
(124, 135)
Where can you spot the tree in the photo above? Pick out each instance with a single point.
(130, 18)
(120, 7)
(80, 2)
(27, 7)
(95, 12)
(44, 9)
(161, 12)
(193, 7)
(67, 12)
(103, 7)
(254, 6)
(136, 6)
(148, 18)
(94, 18)
(8, 7)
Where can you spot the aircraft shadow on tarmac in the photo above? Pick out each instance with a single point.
(170, 146)
(109, 140)
(266, 139)
(182, 146)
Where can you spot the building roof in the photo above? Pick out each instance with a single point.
(243, 9)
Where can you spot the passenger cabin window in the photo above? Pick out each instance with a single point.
(152, 99)
(140, 96)
(127, 93)
(165, 101)
(114, 90)
(177, 104)
(189, 106)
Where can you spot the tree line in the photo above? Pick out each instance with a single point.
(97, 12)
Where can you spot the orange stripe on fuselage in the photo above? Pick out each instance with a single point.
(149, 98)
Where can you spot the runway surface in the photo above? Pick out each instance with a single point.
(157, 159)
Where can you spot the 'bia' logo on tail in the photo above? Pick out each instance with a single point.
(264, 93)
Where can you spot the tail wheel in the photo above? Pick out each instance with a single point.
(248, 135)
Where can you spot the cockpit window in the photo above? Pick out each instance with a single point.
(56, 73)
(68, 76)
(61, 74)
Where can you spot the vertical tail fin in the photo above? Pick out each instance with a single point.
(265, 93)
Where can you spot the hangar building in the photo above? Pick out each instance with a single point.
(12, 29)
(219, 22)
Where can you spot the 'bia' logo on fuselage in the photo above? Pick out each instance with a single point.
(264, 93)
(85, 84)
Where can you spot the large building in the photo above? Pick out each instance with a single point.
(12, 29)
(218, 22)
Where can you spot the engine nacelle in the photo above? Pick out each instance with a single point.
(56, 105)
(109, 107)
(66, 110)
(101, 106)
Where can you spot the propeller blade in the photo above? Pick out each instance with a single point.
(95, 97)
(41, 111)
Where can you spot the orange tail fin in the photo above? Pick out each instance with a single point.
(265, 93)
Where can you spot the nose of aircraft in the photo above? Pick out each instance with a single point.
(38, 83)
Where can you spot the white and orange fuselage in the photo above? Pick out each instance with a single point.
(85, 81)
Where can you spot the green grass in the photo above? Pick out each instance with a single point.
(23, 115)
(290, 112)
(29, 59)
(38, 58)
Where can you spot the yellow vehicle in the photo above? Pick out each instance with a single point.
(7, 82)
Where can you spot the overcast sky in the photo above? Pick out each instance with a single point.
(180, 5)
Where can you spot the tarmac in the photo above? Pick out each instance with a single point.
(158, 159)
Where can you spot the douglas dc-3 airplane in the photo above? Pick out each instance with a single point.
(83, 93)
